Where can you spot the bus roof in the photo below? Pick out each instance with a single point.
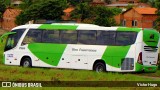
(75, 26)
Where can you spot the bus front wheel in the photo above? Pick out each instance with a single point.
(26, 62)
(99, 67)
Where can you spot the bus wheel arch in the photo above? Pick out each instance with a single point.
(99, 66)
(26, 61)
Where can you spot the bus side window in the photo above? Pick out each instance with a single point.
(106, 37)
(68, 37)
(50, 36)
(32, 36)
(125, 38)
(87, 37)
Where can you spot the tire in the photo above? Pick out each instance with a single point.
(26, 62)
(99, 67)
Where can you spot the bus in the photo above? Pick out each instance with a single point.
(82, 46)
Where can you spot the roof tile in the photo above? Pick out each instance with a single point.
(145, 10)
(68, 10)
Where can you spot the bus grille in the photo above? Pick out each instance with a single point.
(127, 64)
(150, 48)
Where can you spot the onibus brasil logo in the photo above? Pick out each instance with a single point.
(20, 84)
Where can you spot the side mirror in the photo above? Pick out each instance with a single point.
(6, 34)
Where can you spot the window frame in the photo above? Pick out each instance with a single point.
(93, 33)
(65, 32)
(124, 22)
(104, 33)
(127, 43)
(28, 33)
(79, 32)
(134, 23)
(42, 41)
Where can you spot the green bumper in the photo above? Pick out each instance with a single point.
(150, 68)
(140, 68)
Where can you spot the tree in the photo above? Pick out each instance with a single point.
(99, 15)
(7, 2)
(104, 16)
(76, 2)
(22, 18)
(151, 2)
(48, 9)
(0, 15)
(25, 4)
(143, 1)
(129, 6)
(116, 11)
(82, 12)
(157, 5)
(73, 2)
(85, 1)
(2, 6)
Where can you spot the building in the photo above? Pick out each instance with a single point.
(67, 13)
(16, 2)
(139, 17)
(98, 2)
(9, 17)
(119, 5)
(124, 4)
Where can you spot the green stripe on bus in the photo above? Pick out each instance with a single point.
(129, 29)
(138, 67)
(152, 68)
(151, 37)
(58, 26)
(114, 55)
(48, 53)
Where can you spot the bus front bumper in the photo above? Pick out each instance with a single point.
(140, 68)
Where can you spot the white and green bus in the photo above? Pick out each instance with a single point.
(82, 46)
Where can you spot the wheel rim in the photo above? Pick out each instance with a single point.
(99, 68)
(26, 64)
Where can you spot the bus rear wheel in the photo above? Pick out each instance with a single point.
(99, 67)
(26, 62)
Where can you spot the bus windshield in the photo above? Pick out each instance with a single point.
(13, 39)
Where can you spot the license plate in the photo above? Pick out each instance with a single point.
(149, 68)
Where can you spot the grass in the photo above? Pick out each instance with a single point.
(16, 73)
(157, 74)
